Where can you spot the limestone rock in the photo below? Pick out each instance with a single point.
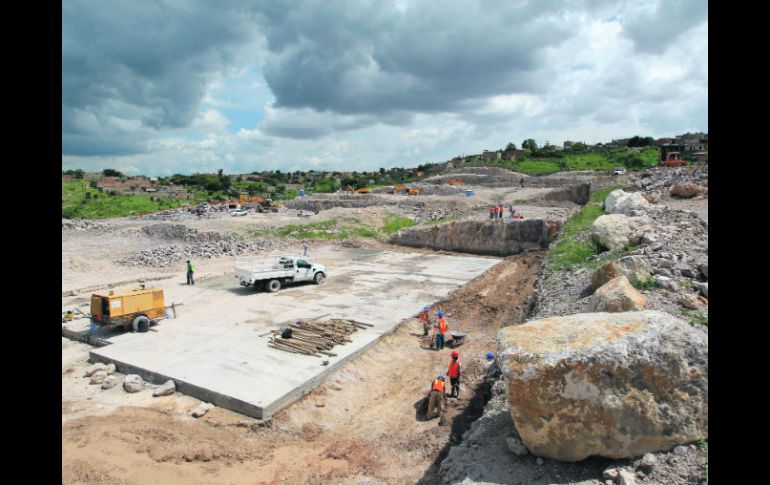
(94, 368)
(164, 389)
(202, 409)
(616, 231)
(648, 462)
(616, 385)
(110, 382)
(633, 267)
(516, 446)
(704, 270)
(688, 300)
(626, 477)
(621, 202)
(610, 474)
(109, 368)
(98, 377)
(703, 287)
(617, 296)
(133, 383)
(687, 190)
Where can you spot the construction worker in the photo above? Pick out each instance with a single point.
(441, 328)
(492, 212)
(190, 271)
(304, 246)
(436, 397)
(425, 317)
(455, 369)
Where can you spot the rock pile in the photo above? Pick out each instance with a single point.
(187, 213)
(673, 250)
(661, 178)
(167, 255)
(182, 232)
(80, 224)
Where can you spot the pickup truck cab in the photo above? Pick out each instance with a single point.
(270, 274)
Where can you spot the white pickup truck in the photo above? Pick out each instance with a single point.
(271, 274)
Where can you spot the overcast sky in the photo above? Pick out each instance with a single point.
(163, 87)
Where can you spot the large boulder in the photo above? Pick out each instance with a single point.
(633, 267)
(133, 383)
(616, 385)
(687, 190)
(617, 231)
(621, 202)
(617, 295)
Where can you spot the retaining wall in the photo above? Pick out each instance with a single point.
(487, 238)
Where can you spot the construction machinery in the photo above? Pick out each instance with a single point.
(671, 155)
(363, 190)
(134, 310)
(455, 182)
(262, 204)
(403, 189)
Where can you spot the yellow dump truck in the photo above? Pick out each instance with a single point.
(133, 309)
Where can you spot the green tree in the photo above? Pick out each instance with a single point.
(529, 144)
(510, 146)
(109, 172)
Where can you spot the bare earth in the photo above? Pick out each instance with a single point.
(365, 423)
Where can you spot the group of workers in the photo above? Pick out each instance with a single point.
(437, 393)
(497, 210)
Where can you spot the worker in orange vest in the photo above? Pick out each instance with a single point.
(441, 328)
(436, 397)
(425, 318)
(455, 369)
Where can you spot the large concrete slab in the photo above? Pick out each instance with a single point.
(216, 350)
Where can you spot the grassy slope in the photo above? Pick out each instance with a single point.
(97, 205)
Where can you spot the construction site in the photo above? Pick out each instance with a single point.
(285, 346)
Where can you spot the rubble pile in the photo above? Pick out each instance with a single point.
(662, 178)
(167, 255)
(187, 213)
(80, 224)
(674, 248)
(180, 231)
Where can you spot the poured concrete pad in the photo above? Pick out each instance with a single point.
(216, 349)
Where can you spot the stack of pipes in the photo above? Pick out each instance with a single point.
(314, 338)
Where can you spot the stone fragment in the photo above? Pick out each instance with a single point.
(133, 383)
(98, 377)
(164, 389)
(94, 368)
(110, 382)
(617, 296)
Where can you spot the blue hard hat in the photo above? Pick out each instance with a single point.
(441, 378)
(440, 313)
(425, 308)
(490, 355)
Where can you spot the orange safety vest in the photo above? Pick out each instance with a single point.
(454, 368)
(441, 325)
(424, 316)
(438, 385)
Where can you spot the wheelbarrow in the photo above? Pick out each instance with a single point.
(457, 339)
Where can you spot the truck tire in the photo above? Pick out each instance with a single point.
(140, 324)
(319, 278)
(273, 286)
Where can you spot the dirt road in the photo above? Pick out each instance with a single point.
(364, 425)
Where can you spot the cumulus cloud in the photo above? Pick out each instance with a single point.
(243, 86)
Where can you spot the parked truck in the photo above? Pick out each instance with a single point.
(270, 274)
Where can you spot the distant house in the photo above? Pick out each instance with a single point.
(702, 156)
(621, 142)
(569, 144)
(496, 155)
(66, 178)
(511, 154)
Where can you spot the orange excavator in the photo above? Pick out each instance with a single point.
(455, 182)
(265, 204)
(363, 190)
